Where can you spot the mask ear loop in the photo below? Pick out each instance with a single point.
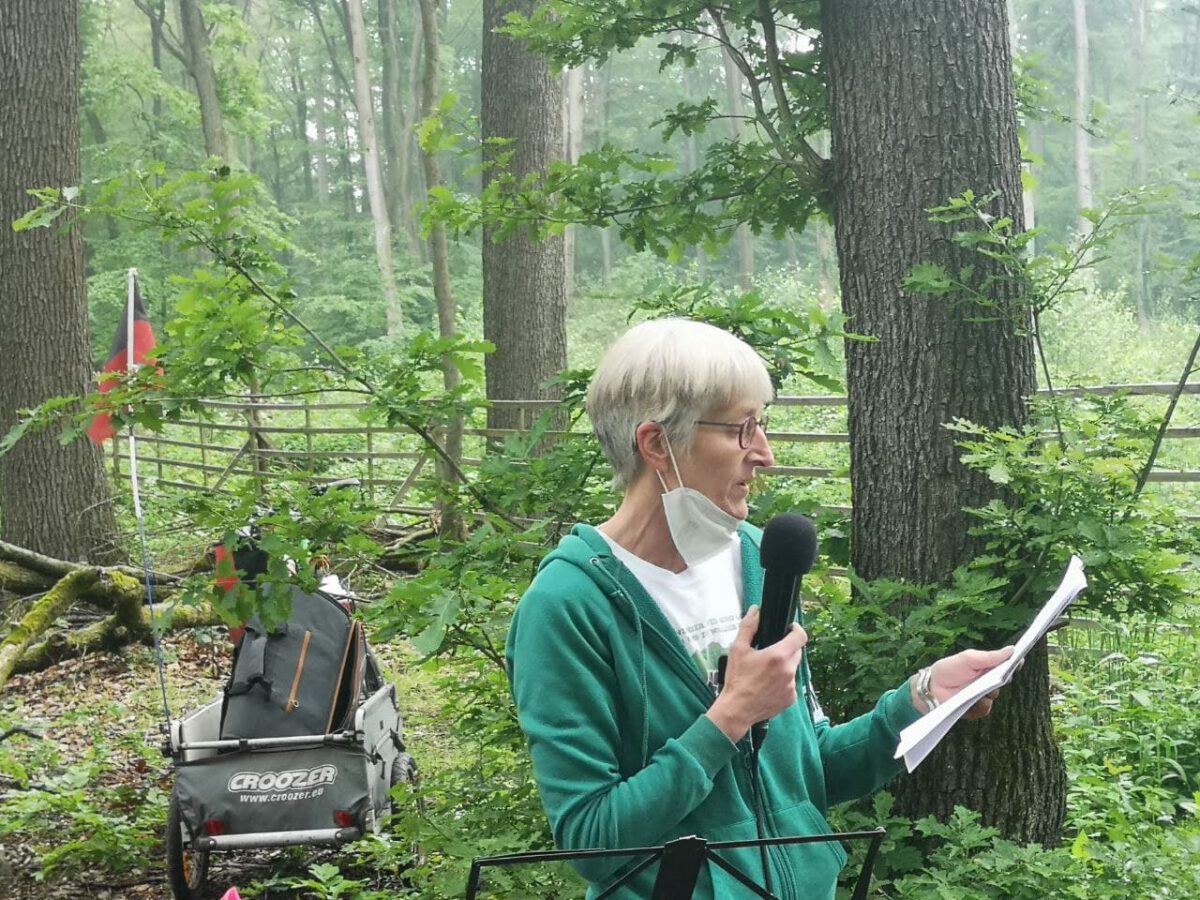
(674, 465)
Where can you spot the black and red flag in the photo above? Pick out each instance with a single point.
(126, 354)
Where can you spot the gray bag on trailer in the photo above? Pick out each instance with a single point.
(303, 678)
(274, 791)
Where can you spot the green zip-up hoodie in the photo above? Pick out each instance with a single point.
(613, 707)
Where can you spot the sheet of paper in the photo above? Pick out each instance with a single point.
(918, 739)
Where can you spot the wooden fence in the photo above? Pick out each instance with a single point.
(323, 442)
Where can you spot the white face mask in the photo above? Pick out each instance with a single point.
(699, 528)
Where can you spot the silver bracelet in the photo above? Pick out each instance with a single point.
(924, 693)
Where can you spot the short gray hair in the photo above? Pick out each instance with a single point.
(673, 372)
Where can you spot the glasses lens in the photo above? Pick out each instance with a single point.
(747, 431)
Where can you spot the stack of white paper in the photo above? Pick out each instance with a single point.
(918, 739)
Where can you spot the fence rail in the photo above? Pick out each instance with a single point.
(316, 440)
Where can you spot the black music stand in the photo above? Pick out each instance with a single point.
(681, 861)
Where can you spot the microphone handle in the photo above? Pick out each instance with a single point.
(778, 612)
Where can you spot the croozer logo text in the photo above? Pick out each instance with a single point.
(295, 784)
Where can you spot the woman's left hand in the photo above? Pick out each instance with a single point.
(952, 673)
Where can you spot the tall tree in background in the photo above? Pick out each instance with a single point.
(1084, 193)
(524, 283)
(196, 56)
(1141, 139)
(744, 240)
(369, 142)
(439, 248)
(906, 136)
(53, 499)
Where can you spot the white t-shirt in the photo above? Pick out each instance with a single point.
(703, 603)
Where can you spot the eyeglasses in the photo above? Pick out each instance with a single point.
(746, 429)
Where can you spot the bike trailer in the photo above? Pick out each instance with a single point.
(303, 747)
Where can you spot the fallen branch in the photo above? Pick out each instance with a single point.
(39, 618)
(57, 568)
(109, 634)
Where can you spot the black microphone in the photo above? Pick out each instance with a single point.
(789, 548)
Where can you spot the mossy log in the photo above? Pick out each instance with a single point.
(41, 615)
(53, 586)
(18, 579)
(109, 634)
(53, 568)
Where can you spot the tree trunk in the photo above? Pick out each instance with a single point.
(524, 285)
(369, 142)
(301, 101)
(409, 149)
(904, 141)
(1036, 136)
(1084, 196)
(54, 498)
(439, 254)
(204, 76)
(572, 149)
(345, 168)
(1141, 138)
(389, 96)
(320, 158)
(600, 101)
(743, 238)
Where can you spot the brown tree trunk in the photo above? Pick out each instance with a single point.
(572, 150)
(391, 112)
(439, 253)
(1141, 139)
(320, 157)
(524, 284)
(204, 76)
(54, 498)
(743, 237)
(369, 142)
(1084, 194)
(301, 101)
(905, 140)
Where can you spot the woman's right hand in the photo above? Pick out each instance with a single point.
(759, 684)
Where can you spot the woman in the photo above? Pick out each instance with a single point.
(636, 734)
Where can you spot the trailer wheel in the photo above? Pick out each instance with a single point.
(186, 868)
(404, 771)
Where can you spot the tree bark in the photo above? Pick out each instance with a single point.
(743, 238)
(439, 254)
(922, 109)
(391, 110)
(204, 76)
(572, 149)
(54, 498)
(369, 142)
(1141, 139)
(301, 101)
(524, 282)
(320, 158)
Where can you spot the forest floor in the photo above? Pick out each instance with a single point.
(93, 750)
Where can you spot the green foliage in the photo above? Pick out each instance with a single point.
(1080, 494)
(794, 344)
(1058, 499)
(1130, 743)
(72, 827)
(324, 882)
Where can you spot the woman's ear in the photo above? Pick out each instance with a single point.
(652, 446)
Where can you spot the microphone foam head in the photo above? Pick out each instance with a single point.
(789, 544)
